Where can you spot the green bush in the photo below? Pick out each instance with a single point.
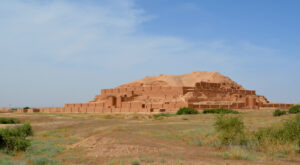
(294, 109)
(279, 112)
(271, 134)
(26, 108)
(231, 129)
(14, 139)
(9, 121)
(187, 111)
(26, 129)
(220, 111)
(289, 131)
(135, 162)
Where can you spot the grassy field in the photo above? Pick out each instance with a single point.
(143, 139)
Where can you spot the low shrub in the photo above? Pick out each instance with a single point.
(289, 131)
(14, 139)
(187, 111)
(9, 121)
(294, 109)
(279, 112)
(135, 162)
(220, 111)
(26, 108)
(26, 129)
(231, 129)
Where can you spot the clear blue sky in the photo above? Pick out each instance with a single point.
(64, 51)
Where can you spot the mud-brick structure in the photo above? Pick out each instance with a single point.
(168, 93)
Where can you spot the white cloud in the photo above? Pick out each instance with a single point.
(63, 31)
(74, 43)
(105, 33)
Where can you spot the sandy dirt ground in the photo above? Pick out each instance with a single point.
(128, 139)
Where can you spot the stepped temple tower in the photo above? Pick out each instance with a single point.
(168, 93)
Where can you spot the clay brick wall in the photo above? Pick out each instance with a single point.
(167, 106)
(154, 91)
(207, 85)
(157, 106)
(136, 105)
(99, 105)
(49, 110)
(110, 102)
(119, 102)
(251, 102)
(126, 105)
(281, 106)
(133, 99)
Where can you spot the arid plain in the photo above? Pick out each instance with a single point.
(144, 139)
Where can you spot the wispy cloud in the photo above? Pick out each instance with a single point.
(65, 40)
(74, 33)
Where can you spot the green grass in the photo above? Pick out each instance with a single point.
(5, 160)
(238, 153)
(195, 136)
(277, 141)
(147, 159)
(40, 160)
(287, 131)
(196, 142)
(42, 148)
(160, 116)
(219, 111)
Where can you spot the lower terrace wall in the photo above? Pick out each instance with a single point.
(242, 106)
(128, 107)
(4, 110)
(273, 105)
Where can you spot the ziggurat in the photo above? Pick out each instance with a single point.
(163, 93)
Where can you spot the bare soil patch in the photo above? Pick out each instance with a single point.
(122, 139)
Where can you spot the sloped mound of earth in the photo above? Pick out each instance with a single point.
(187, 80)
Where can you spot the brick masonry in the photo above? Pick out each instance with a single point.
(138, 98)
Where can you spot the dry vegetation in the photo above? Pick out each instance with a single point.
(145, 139)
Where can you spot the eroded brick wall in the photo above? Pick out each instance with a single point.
(155, 99)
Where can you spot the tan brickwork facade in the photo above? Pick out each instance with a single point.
(141, 98)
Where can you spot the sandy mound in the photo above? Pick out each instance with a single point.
(188, 80)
